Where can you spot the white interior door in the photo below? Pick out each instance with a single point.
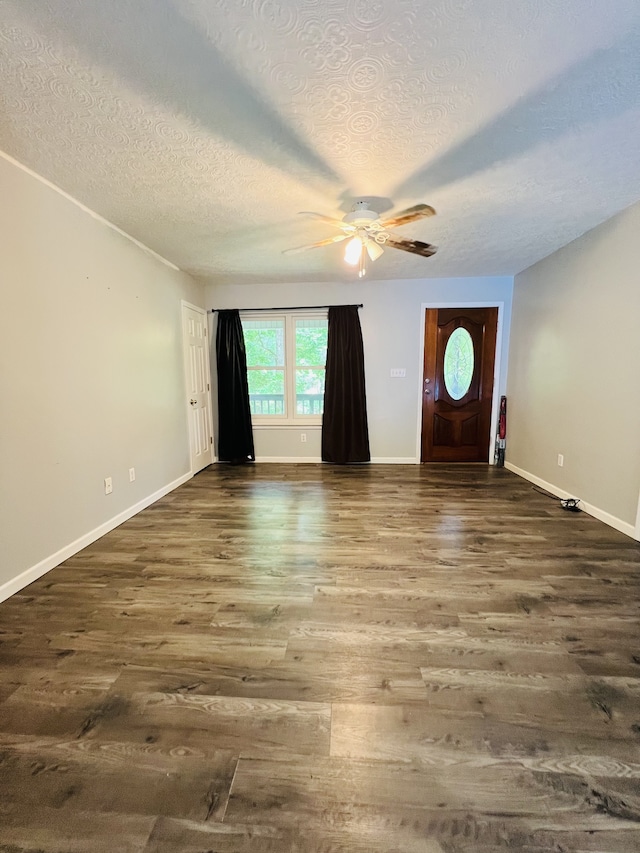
(196, 359)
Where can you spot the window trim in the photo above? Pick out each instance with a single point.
(293, 419)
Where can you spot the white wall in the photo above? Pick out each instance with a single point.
(392, 326)
(574, 371)
(91, 381)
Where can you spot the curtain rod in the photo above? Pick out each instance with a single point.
(294, 308)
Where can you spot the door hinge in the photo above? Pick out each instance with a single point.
(210, 439)
(208, 387)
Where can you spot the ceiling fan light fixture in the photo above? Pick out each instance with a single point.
(353, 251)
(374, 249)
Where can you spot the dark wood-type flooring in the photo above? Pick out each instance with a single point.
(391, 659)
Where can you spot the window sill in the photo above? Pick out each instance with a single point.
(299, 425)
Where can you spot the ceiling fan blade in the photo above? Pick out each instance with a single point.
(418, 211)
(414, 246)
(330, 220)
(326, 242)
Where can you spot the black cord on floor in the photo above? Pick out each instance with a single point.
(545, 493)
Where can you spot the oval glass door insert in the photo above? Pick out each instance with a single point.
(458, 363)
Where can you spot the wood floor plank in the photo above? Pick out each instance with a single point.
(51, 830)
(406, 806)
(244, 726)
(54, 703)
(441, 738)
(170, 835)
(150, 647)
(327, 681)
(86, 775)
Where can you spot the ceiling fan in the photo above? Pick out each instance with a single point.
(367, 233)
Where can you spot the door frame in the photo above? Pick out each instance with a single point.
(184, 304)
(497, 366)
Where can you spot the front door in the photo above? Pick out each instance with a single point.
(457, 388)
(196, 362)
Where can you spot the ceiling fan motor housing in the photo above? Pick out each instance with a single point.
(360, 214)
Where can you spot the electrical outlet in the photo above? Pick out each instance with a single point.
(303, 437)
(132, 474)
(560, 460)
(108, 485)
(398, 372)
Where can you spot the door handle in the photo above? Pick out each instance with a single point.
(427, 390)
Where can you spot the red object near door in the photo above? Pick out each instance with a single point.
(502, 423)
(501, 443)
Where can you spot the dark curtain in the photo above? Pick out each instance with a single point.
(235, 436)
(345, 432)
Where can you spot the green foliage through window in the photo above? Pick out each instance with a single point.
(286, 359)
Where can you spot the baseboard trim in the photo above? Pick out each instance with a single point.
(376, 460)
(301, 459)
(394, 460)
(590, 509)
(30, 575)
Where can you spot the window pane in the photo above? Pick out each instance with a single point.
(266, 392)
(309, 392)
(458, 363)
(311, 341)
(264, 342)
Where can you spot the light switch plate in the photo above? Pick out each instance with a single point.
(398, 372)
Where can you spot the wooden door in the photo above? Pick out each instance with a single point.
(457, 389)
(196, 360)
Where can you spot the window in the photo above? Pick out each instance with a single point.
(458, 363)
(286, 355)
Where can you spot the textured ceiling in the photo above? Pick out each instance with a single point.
(202, 127)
